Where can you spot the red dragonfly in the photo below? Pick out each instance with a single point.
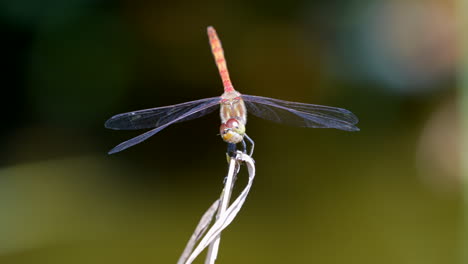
(233, 111)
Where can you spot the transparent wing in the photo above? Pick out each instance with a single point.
(159, 116)
(300, 114)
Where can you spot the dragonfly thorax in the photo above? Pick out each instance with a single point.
(232, 106)
(232, 131)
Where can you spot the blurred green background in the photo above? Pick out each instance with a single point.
(390, 193)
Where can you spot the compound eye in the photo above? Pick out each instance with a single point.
(223, 129)
(232, 123)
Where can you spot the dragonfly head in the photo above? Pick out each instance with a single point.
(232, 131)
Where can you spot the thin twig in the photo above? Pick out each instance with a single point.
(201, 228)
(225, 197)
(228, 214)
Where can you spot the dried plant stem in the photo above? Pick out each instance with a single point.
(225, 197)
(226, 214)
(199, 231)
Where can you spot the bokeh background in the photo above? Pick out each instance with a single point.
(390, 193)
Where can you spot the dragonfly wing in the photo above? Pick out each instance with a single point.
(183, 114)
(300, 114)
(136, 140)
(159, 116)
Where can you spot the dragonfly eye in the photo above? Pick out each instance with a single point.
(223, 129)
(232, 123)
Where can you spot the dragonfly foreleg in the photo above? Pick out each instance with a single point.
(251, 147)
(244, 146)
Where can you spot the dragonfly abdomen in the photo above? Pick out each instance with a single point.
(218, 53)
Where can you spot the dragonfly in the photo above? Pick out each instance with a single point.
(233, 111)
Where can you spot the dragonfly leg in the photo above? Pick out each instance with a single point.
(244, 147)
(251, 147)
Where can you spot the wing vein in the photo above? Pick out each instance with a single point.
(301, 114)
(208, 106)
